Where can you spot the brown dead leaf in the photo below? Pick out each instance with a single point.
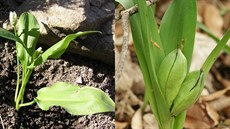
(121, 125)
(149, 121)
(214, 96)
(192, 123)
(227, 112)
(118, 30)
(138, 82)
(225, 59)
(223, 81)
(220, 103)
(209, 83)
(200, 10)
(212, 113)
(126, 81)
(213, 19)
(136, 122)
(201, 115)
(227, 20)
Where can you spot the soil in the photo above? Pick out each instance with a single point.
(70, 68)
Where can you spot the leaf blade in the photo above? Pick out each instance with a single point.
(8, 35)
(59, 48)
(179, 28)
(75, 100)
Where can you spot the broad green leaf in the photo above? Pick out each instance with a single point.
(178, 26)
(8, 35)
(75, 100)
(59, 48)
(28, 32)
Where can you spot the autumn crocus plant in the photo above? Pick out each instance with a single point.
(165, 58)
(76, 100)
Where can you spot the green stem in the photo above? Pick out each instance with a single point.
(27, 104)
(215, 52)
(145, 102)
(18, 72)
(22, 89)
(179, 121)
(18, 80)
(202, 27)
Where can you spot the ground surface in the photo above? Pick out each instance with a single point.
(71, 68)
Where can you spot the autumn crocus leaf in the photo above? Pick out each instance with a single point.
(179, 23)
(171, 74)
(75, 100)
(190, 91)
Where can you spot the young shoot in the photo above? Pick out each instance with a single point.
(71, 97)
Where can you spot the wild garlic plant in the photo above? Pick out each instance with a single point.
(76, 100)
(165, 57)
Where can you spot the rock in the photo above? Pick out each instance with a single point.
(61, 17)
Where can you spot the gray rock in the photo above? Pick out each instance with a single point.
(62, 17)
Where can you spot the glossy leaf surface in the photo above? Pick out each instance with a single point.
(77, 101)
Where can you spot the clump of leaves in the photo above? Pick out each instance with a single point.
(165, 58)
(76, 100)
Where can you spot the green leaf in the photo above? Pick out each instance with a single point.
(178, 26)
(75, 100)
(215, 53)
(8, 35)
(59, 48)
(144, 29)
(210, 34)
(28, 32)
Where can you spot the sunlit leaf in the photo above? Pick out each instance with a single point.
(75, 100)
(8, 35)
(59, 48)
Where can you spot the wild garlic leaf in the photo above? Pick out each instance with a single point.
(28, 32)
(59, 48)
(75, 100)
(8, 35)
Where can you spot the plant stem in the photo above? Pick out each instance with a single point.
(179, 121)
(22, 89)
(18, 71)
(18, 80)
(215, 52)
(27, 104)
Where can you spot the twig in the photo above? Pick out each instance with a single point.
(2, 122)
(124, 15)
(121, 63)
(133, 9)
